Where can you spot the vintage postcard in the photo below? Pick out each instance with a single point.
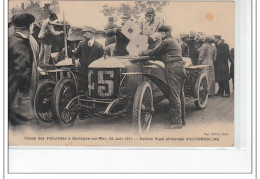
(121, 73)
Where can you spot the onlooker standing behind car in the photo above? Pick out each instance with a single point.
(46, 33)
(221, 67)
(87, 51)
(207, 56)
(169, 52)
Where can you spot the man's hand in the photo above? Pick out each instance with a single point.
(144, 53)
(61, 32)
(156, 36)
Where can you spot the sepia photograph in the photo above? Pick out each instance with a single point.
(121, 73)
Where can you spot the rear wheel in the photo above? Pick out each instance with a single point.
(142, 109)
(201, 91)
(64, 92)
(42, 110)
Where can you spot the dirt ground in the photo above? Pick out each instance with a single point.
(212, 126)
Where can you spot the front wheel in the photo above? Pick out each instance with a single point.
(201, 91)
(64, 92)
(143, 109)
(42, 109)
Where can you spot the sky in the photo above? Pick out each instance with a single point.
(207, 17)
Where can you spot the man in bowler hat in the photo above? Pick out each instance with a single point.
(22, 52)
(169, 51)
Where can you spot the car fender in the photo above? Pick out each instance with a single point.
(158, 82)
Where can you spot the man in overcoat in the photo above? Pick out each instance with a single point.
(22, 52)
(221, 67)
(87, 51)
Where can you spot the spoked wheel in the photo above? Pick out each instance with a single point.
(201, 92)
(143, 109)
(64, 92)
(42, 110)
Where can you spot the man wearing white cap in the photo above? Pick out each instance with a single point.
(150, 26)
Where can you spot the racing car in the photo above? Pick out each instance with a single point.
(117, 86)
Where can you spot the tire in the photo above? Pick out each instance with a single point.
(42, 109)
(64, 91)
(142, 109)
(201, 91)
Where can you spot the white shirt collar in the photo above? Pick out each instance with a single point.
(22, 35)
(91, 42)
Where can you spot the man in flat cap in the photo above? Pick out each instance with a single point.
(46, 35)
(149, 27)
(222, 75)
(87, 51)
(110, 25)
(169, 51)
(22, 77)
(121, 40)
(184, 45)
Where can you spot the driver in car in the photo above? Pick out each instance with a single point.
(149, 26)
(169, 51)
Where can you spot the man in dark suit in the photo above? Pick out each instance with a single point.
(20, 64)
(221, 67)
(121, 40)
(193, 46)
(87, 51)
